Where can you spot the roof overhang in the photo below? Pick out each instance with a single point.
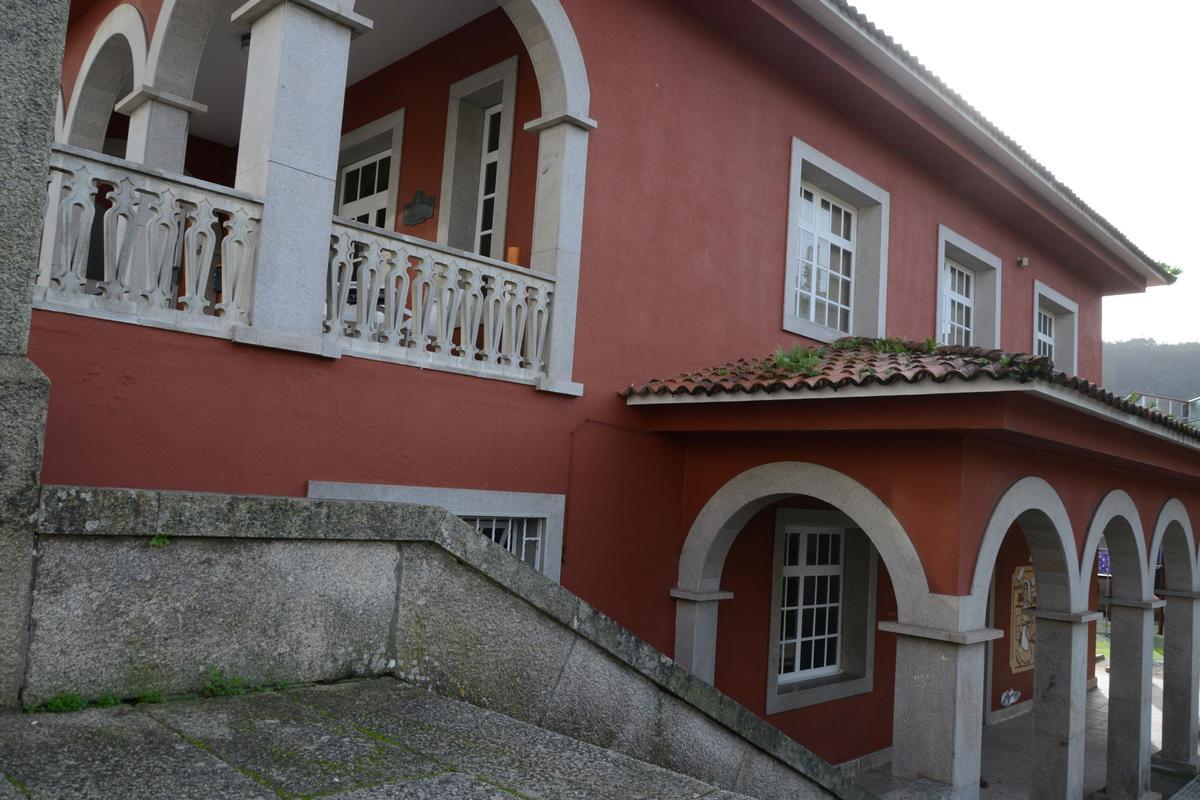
(954, 111)
(1038, 389)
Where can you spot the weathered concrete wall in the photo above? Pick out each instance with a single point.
(31, 35)
(271, 589)
(117, 616)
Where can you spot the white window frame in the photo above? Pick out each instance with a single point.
(551, 508)
(856, 645)
(868, 297)
(354, 208)
(822, 276)
(455, 214)
(486, 159)
(801, 571)
(1065, 313)
(986, 269)
(385, 133)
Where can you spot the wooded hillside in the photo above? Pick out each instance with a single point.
(1144, 365)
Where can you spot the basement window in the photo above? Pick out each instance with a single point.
(526, 524)
(823, 610)
(1055, 328)
(521, 536)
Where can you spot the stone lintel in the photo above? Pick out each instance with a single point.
(139, 97)
(580, 121)
(699, 597)
(1148, 604)
(940, 635)
(1080, 617)
(249, 13)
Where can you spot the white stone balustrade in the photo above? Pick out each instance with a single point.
(126, 242)
(395, 298)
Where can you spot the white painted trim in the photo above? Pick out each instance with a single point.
(467, 503)
(949, 108)
(988, 276)
(867, 199)
(123, 21)
(504, 73)
(1066, 307)
(393, 123)
(1117, 521)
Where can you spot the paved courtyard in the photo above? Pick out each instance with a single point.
(364, 740)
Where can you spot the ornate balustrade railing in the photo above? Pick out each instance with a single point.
(397, 298)
(125, 242)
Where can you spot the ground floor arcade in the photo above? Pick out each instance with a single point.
(879, 576)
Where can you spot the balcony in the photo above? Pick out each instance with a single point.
(128, 243)
(264, 242)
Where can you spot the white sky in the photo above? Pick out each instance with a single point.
(1106, 94)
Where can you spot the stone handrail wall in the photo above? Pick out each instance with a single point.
(396, 298)
(123, 241)
(303, 590)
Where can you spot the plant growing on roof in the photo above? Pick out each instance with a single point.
(802, 360)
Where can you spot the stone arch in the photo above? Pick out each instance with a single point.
(116, 55)
(719, 522)
(1036, 507)
(1173, 534)
(1118, 522)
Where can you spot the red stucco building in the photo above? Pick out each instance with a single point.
(556, 205)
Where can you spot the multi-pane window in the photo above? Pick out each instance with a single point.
(489, 171)
(824, 282)
(521, 536)
(958, 316)
(811, 603)
(365, 189)
(1044, 339)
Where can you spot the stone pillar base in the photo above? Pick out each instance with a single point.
(1161, 763)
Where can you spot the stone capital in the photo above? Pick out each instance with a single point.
(252, 11)
(583, 122)
(144, 94)
(937, 634)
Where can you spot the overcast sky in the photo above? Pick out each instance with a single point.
(1106, 94)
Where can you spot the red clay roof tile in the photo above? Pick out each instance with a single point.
(882, 362)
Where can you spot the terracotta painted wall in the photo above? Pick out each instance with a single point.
(837, 731)
(420, 84)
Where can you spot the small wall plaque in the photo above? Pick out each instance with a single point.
(419, 209)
